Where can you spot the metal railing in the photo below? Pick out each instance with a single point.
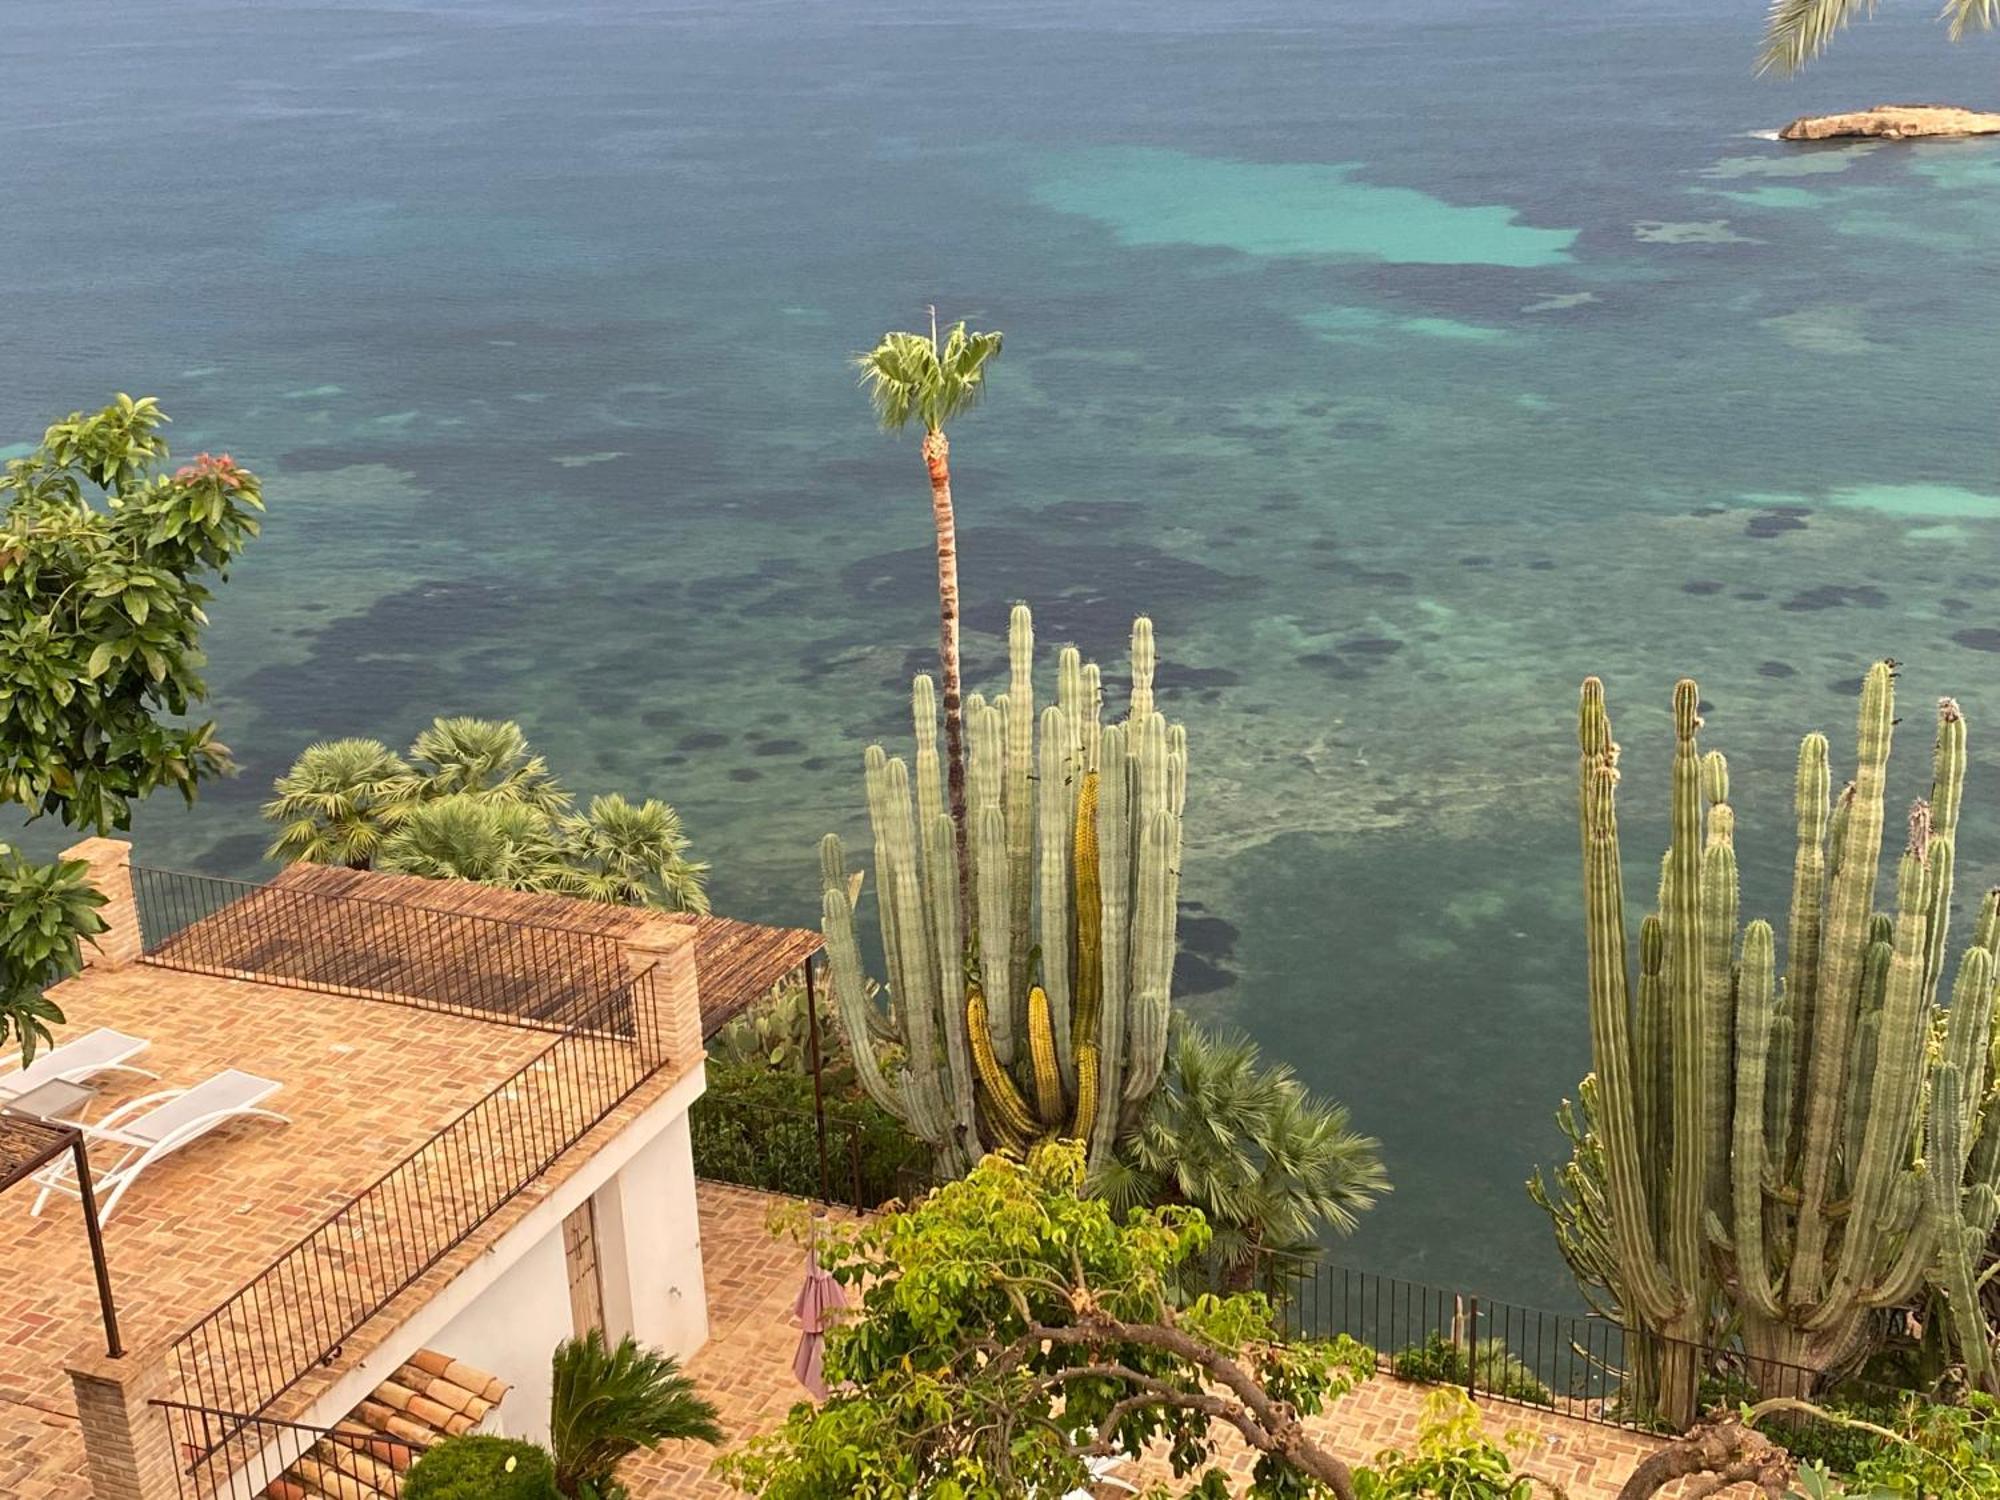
(778, 1151)
(1580, 1366)
(231, 1456)
(606, 1038)
(457, 962)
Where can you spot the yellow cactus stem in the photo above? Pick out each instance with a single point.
(1086, 1090)
(1089, 918)
(1004, 1104)
(1042, 1054)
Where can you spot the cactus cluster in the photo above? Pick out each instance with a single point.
(1785, 1156)
(1035, 1007)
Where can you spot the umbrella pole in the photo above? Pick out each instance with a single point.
(819, 1095)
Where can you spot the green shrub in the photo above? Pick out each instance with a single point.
(481, 1468)
(1841, 1449)
(1453, 1457)
(754, 1126)
(1442, 1361)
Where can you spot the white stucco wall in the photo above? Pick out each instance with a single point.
(518, 1290)
(510, 1331)
(649, 1246)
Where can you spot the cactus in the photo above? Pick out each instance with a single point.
(1074, 837)
(1782, 1156)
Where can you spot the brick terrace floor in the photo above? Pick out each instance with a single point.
(746, 1369)
(365, 1082)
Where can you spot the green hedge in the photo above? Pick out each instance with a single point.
(476, 1468)
(754, 1126)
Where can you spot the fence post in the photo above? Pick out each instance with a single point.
(1472, 1346)
(128, 1443)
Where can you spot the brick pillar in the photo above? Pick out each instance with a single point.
(668, 1004)
(110, 862)
(127, 1442)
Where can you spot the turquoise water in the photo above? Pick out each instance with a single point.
(1405, 362)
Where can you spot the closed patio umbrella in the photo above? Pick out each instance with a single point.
(818, 1300)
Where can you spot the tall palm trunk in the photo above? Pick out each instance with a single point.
(937, 459)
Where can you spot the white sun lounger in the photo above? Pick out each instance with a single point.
(159, 1125)
(99, 1051)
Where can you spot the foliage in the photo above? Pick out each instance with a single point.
(46, 912)
(480, 1467)
(1454, 1459)
(473, 802)
(1837, 1444)
(918, 377)
(1922, 1449)
(776, 1033)
(756, 1127)
(1495, 1371)
(1008, 1328)
(1270, 1166)
(1797, 31)
(105, 564)
(609, 1403)
(1005, 1042)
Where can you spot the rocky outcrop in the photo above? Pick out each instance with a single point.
(1893, 122)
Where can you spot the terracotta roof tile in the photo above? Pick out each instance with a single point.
(431, 1398)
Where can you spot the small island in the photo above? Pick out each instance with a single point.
(1893, 122)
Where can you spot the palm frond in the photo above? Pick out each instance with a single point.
(1968, 16)
(608, 1403)
(1797, 31)
(338, 801)
(909, 377)
(486, 758)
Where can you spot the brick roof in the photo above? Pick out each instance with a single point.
(365, 1084)
(429, 1399)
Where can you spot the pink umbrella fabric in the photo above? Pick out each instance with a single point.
(818, 1300)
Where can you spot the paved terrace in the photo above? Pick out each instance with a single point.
(746, 1369)
(366, 1082)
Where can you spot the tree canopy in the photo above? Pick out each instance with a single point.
(106, 562)
(1010, 1329)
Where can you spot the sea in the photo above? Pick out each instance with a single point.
(1405, 362)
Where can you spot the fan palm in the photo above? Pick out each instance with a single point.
(1797, 31)
(913, 378)
(633, 854)
(1270, 1166)
(339, 801)
(463, 837)
(489, 759)
(608, 1403)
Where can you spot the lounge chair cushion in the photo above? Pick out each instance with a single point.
(230, 1089)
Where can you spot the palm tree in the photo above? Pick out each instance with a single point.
(339, 801)
(914, 378)
(465, 837)
(633, 854)
(1269, 1165)
(607, 1404)
(1797, 31)
(489, 759)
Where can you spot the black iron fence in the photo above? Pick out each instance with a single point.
(1576, 1365)
(235, 1457)
(862, 1163)
(296, 1315)
(298, 934)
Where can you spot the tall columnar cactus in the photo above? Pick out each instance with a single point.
(1041, 1011)
(1787, 1156)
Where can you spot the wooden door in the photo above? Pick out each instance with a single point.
(586, 1286)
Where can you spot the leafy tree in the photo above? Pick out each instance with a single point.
(1010, 1329)
(1797, 31)
(472, 801)
(609, 1403)
(45, 911)
(1270, 1166)
(914, 378)
(1454, 1459)
(105, 564)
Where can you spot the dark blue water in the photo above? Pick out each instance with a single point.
(1404, 361)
